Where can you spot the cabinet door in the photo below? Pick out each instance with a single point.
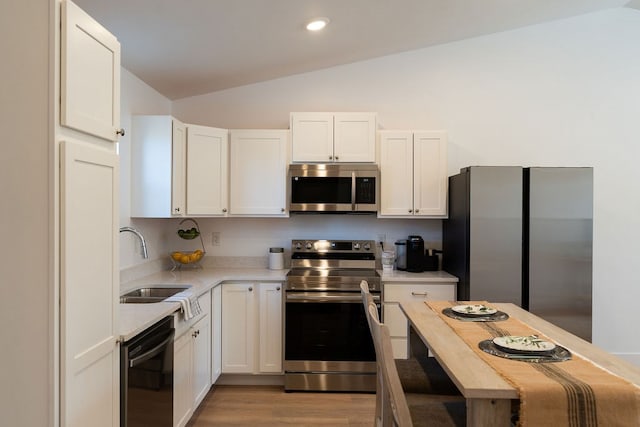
(207, 156)
(89, 286)
(396, 173)
(258, 172)
(201, 332)
(238, 328)
(354, 137)
(90, 75)
(178, 167)
(430, 173)
(216, 333)
(182, 385)
(312, 137)
(270, 333)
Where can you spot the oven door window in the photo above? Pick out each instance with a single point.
(327, 331)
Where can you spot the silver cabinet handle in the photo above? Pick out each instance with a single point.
(278, 288)
(120, 132)
(250, 288)
(410, 210)
(337, 158)
(282, 209)
(419, 294)
(330, 157)
(177, 209)
(417, 210)
(224, 210)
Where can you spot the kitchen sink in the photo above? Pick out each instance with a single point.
(150, 294)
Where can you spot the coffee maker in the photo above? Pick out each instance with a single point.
(415, 254)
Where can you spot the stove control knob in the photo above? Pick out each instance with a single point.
(367, 247)
(298, 246)
(308, 246)
(356, 246)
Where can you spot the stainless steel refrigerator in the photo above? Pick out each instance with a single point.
(524, 235)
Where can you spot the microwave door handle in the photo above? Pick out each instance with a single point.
(353, 191)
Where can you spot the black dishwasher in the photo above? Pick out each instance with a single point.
(146, 377)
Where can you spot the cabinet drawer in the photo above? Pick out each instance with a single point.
(416, 292)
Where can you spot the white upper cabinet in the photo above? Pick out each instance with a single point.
(207, 169)
(354, 137)
(158, 167)
(177, 169)
(90, 75)
(430, 179)
(333, 137)
(413, 174)
(257, 172)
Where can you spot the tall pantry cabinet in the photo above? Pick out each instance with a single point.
(88, 221)
(60, 90)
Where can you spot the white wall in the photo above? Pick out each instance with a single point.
(136, 98)
(564, 93)
(26, 287)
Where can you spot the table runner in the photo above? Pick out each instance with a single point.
(572, 393)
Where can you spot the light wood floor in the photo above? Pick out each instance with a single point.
(271, 406)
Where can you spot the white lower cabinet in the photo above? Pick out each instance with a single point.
(216, 333)
(394, 293)
(251, 328)
(201, 333)
(182, 385)
(191, 361)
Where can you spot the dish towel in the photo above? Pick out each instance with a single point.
(189, 306)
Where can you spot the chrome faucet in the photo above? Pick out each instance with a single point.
(143, 243)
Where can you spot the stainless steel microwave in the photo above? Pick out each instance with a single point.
(333, 188)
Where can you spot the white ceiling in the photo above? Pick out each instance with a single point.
(190, 47)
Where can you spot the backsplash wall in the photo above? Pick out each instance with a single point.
(252, 237)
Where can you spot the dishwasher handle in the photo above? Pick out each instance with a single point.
(153, 352)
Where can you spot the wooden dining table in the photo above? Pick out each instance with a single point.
(489, 397)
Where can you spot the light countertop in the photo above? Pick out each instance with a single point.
(135, 318)
(424, 277)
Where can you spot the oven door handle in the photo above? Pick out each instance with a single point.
(310, 297)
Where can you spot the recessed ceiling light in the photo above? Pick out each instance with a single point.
(317, 24)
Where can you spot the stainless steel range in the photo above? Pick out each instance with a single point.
(328, 345)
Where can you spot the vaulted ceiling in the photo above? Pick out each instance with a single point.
(192, 47)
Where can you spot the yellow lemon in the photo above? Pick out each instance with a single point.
(176, 256)
(184, 259)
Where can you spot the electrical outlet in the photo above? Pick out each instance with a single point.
(215, 238)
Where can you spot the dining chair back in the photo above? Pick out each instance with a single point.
(395, 410)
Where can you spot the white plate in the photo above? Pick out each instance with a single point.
(474, 310)
(528, 344)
